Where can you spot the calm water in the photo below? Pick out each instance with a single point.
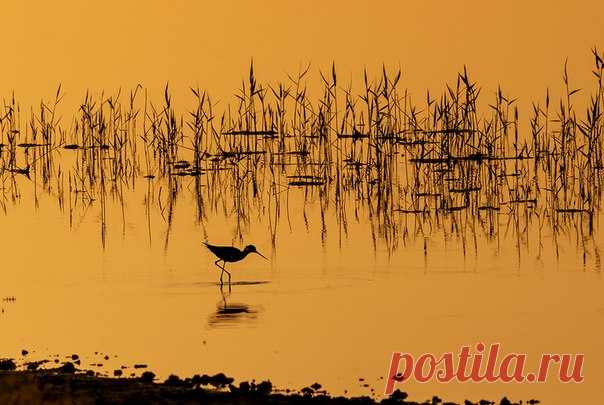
(327, 307)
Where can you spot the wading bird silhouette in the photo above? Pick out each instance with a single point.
(230, 254)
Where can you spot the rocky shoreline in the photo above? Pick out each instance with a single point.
(68, 385)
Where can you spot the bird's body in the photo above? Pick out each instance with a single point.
(230, 254)
(227, 253)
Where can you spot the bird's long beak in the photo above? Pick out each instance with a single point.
(266, 258)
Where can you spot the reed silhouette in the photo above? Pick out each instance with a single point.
(452, 163)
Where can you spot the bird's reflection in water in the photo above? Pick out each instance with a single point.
(230, 313)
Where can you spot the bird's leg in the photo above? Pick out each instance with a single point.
(224, 304)
(221, 268)
(227, 272)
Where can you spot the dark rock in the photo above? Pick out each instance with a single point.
(148, 377)
(174, 381)
(67, 368)
(244, 387)
(7, 365)
(265, 388)
(399, 395)
(34, 365)
(219, 380)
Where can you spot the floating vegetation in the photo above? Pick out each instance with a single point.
(406, 167)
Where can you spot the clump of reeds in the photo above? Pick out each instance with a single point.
(450, 162)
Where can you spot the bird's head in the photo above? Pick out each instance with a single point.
(252, 249)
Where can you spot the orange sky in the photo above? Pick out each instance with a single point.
(119, 43)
